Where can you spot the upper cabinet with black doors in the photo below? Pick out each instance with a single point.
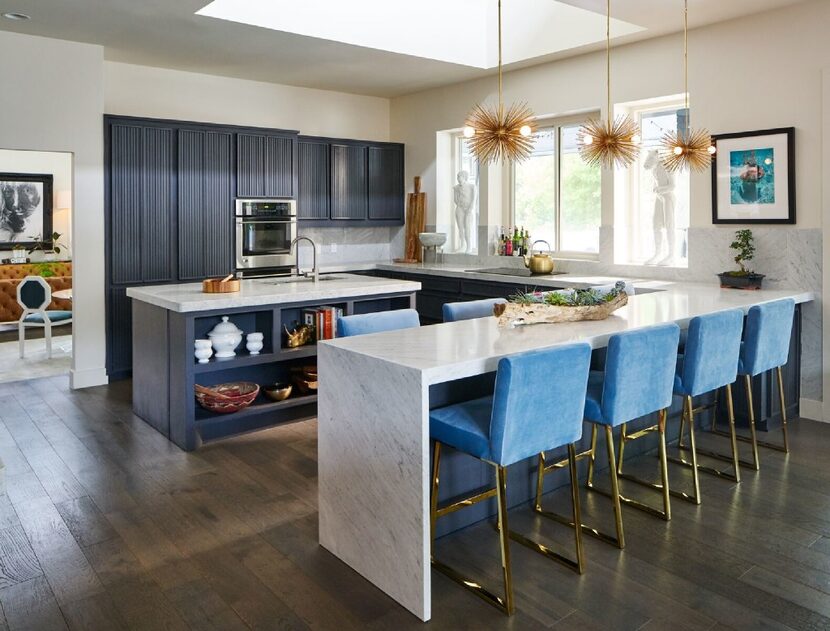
(266, 165)
(350, 182)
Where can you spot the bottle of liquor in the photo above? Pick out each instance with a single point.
(517, 242)
(526, 242)
(508, 244)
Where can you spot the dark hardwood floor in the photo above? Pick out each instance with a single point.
(106, 525)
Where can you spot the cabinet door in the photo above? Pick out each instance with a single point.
(386, 185)
(349, 183)
(313, 180)
(120, 333)
(265, 165)
(205, 204)
(142, 185)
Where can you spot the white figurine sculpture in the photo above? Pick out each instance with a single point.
(664, 204)
(464, 196)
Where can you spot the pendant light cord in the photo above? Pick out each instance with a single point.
(686, 62)
(501, 99)
(608, 60)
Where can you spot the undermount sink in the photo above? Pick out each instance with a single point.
(294, 279)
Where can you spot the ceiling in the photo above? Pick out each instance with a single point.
(169, 34)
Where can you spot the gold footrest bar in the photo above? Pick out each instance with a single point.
(635, 503)
(467, 501)
(542, 549)
(588, 530)
(564, 463)
(705, 469)
(725, 457)
(639, 434)
(748, 439)
(659, 487)
(477, 588)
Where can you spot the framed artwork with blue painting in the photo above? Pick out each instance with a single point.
(753, 177)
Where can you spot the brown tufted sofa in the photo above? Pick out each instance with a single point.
(11, 275)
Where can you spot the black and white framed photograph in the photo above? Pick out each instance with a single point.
(753, 177)
(25, 209)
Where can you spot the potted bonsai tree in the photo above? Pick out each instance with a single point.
(742, 278)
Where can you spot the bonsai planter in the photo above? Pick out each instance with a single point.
(749, 281)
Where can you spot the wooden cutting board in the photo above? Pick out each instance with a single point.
(416, 217)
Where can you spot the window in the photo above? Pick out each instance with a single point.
(653, 204)
(556, 196)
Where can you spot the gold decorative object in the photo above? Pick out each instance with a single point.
(497, 134)
(687, 148)
(299, 336)
(613, 142)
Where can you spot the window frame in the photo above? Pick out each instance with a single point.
(557, 124)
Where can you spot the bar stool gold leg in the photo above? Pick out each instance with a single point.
(752, 432)
(622, 450)
(589, 481)
(433, 510)
(577, 512)
(664, 467)
(615, 486)
(540, 482)
(693, 445)
(733, 434)
(504, 538)
(680, 429)
(783, 410)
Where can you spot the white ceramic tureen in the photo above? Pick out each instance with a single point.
(225, 337)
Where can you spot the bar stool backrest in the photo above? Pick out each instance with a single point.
(767, 336)
(639, 373)
(472, 309)
(538, 402)
(713, 347)
(365, 323)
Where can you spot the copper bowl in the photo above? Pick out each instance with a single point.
(278, 391)
(227, 398)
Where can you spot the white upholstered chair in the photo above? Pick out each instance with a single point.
(34, 294)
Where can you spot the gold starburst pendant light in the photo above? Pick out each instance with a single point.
(497, 134)
(615, 142)
(686, 148)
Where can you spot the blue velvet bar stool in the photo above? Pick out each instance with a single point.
(638, 380)
(709, 362)
(536, 406)
(378, 322)
(766, 346)
(470, 310)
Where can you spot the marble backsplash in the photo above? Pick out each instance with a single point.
(789, 256)
(352, 245)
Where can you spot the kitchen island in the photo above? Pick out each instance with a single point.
(167, 319)
(373, 431)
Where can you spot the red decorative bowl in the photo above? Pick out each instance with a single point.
(236, 396)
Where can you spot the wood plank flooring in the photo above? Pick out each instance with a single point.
(106, 525)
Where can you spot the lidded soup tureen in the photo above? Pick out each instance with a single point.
(225, 337)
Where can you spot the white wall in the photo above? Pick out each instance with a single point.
(761, 71)
(59, 165)
(160, 93)
(61, 110)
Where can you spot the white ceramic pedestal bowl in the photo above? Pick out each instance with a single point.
(432, 239)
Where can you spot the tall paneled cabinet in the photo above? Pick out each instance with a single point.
(171, 188)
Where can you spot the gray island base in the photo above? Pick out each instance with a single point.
(167, 319)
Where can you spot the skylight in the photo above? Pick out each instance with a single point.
(456, 31)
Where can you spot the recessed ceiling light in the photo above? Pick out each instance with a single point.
(17, 17)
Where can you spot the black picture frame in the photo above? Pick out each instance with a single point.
(45, 229)
(789, 133)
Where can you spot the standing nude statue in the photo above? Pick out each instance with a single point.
(464, 196)
(664, 203)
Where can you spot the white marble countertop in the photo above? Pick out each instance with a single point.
(186, 298)
(460, 349)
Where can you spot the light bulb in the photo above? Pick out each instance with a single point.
(469, 131)
(712, 149)
(525, 130)
(678, 151)
(635, 139)
(587, 139)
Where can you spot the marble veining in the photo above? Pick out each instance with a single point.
(189, 297)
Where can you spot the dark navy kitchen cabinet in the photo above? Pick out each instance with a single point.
(266, 165)
(386, 183)
(205, 204)
(314, 180)
(349, 181)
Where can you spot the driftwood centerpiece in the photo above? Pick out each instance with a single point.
(569, 305)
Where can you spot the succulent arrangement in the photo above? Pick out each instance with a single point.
(569, 297)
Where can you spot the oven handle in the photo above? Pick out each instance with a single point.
(258, 221)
